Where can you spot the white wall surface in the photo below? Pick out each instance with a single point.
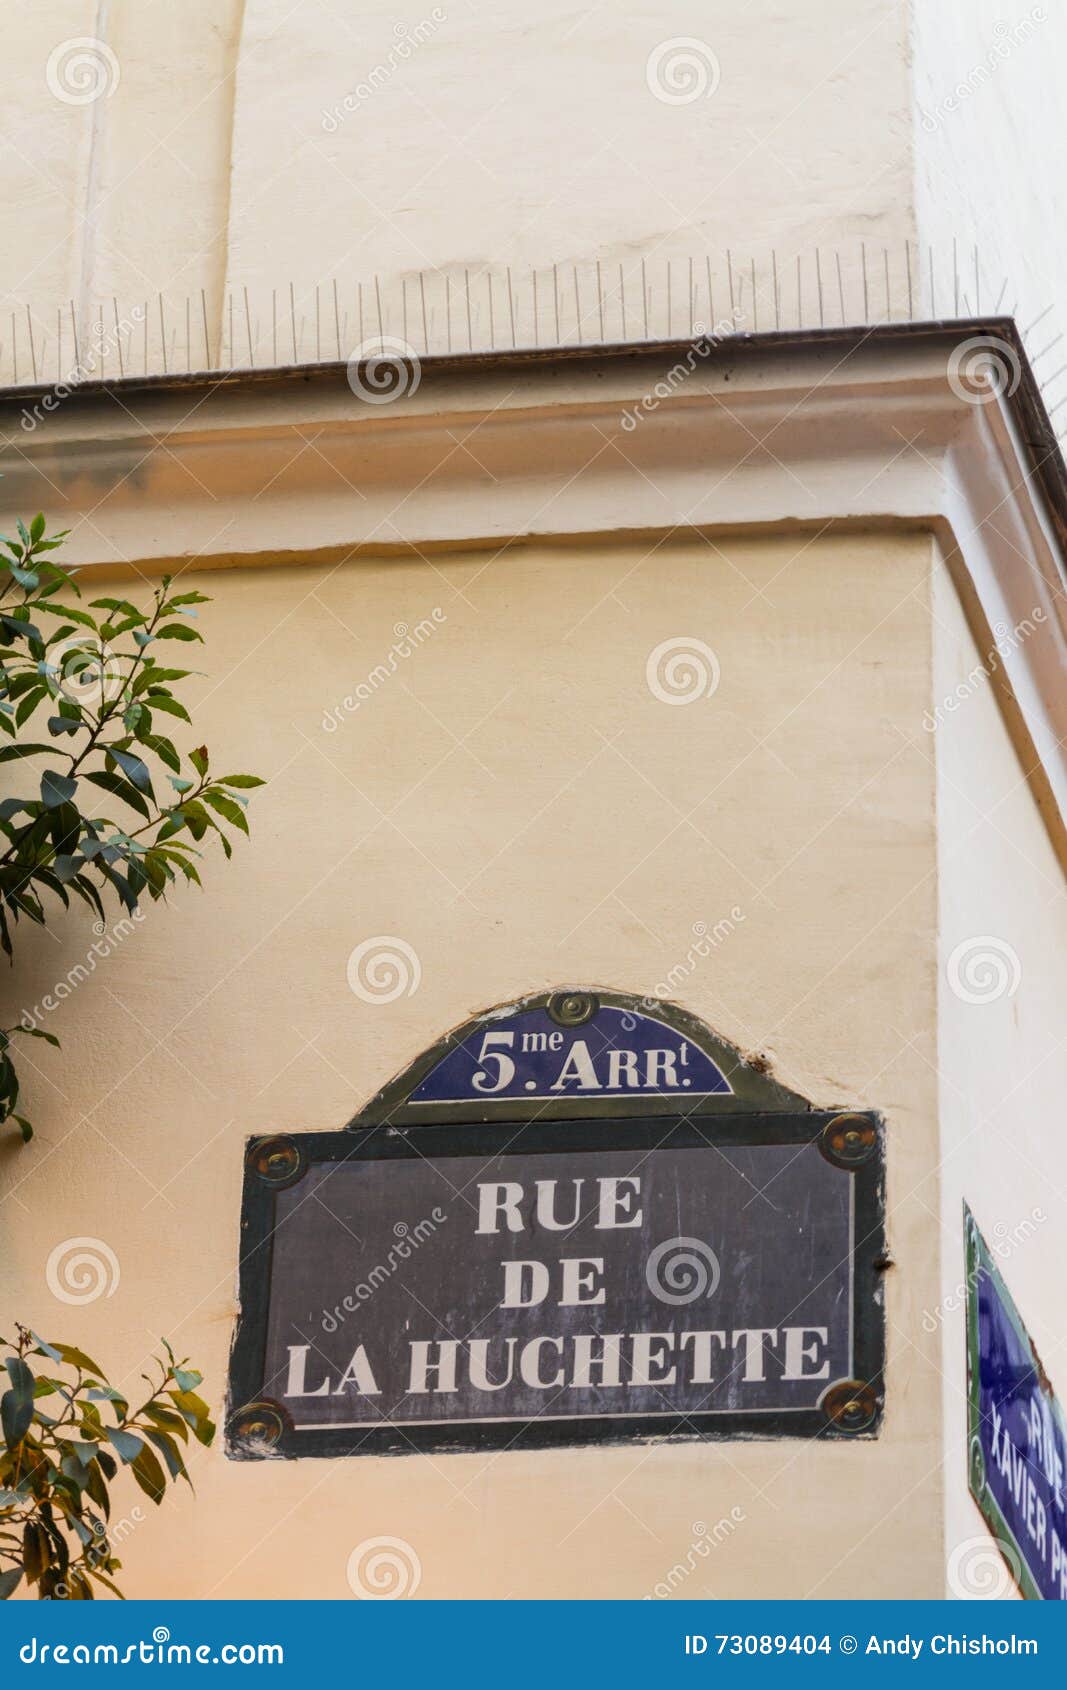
(991, 145)
(1002, 990)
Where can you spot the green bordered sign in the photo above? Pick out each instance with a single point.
(1017, 1463)
(579, 1218)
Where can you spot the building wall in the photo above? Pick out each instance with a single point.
(242, 153)
(518, 805)
(1001, 989)
(220, 156)
(988, 127)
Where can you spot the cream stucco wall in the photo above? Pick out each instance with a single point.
(243, 154)
(518, 806)
(480, 139)
(1001, 992)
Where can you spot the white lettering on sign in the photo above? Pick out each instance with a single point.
(616, 1360)
(615, 1204)
(624, 1282)
(613, 1068)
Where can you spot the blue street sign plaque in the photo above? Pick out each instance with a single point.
(1018, 1435)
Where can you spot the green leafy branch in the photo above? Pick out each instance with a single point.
(63, 1444)
(102, 695)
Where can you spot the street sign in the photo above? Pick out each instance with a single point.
(507, 1283)
(1018, 1433)
(559, 1053)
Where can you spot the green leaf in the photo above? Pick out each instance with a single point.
(44, 1349)
(169, 1450)
(122, 605)
(240, 780)
(49, 1038)
(9, 753)
(78, 1358)
(198, 758)
(126, 1445)
(163, 701)
(133, 767)
(29, 702)
(37, 527)
(16, 1405)
(153, 676)
(56, 788)
(177, 631)
(194, 1410)
(227, 807)
(35, 1550)
(167, 1419)
(163, 748)
(121, 789)
(149, 1474)
(69, 611)
(9, 1582)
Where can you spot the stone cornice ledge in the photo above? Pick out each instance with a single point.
(846, 426)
